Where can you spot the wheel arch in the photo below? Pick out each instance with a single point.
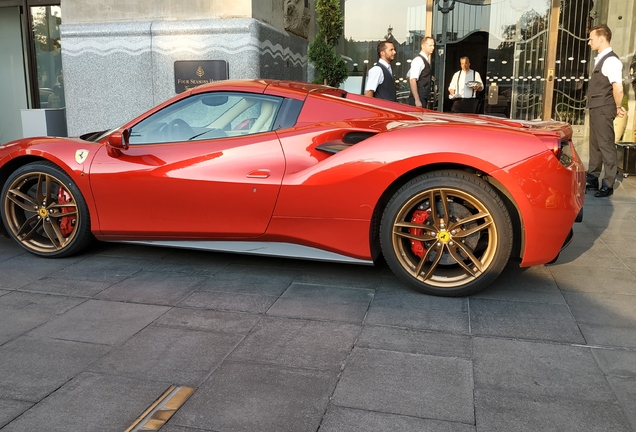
(6, 170)
(13, 164)
(510, 203)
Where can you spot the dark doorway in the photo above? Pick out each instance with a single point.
(475, 47)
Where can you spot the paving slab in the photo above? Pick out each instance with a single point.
(540, 369)
(397, 305)
(251, 280)
(258, 397)
(349, 275)
(625, 390)
(616, 362)
(208, 320)
(223, 301)
(191, 262)
(529, 284)
(340, 419)
(509, 411)
(333, 303)
(102, 322)
(153, 287)
(177, 356)
(431, 387)
(524, 320)
(21, 312)
(90, 402)
(25, 268)
(68, 287)
(11, 409)
(100, 269)
(590, 279)
(415, 342)
(33, 367)
(605, 309)
(298, 343)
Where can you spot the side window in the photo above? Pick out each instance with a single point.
(208, 116)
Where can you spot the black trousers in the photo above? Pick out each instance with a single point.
(465, 105)
(602, 145)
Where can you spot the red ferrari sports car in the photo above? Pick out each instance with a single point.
(307, 171)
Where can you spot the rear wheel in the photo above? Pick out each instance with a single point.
(447, 233)
(44, 211)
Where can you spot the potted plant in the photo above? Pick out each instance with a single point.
(322, 51)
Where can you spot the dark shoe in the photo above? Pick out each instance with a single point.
(604, 192)
(591, 182)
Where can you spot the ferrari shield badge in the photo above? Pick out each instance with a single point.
(80, 156)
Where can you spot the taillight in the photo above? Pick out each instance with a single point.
(563, 152)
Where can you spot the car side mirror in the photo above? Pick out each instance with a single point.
(119, 139)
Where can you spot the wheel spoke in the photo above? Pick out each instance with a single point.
(28, 204)
(38, 190)
(465, 233)
(425, 236)
(54, 234)
(71, 206)
(26, 230)
(444, 199)
(460, 260)
(469, 219)
(438, 256)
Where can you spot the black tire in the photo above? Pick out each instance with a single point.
(456, 250)
(44, 211)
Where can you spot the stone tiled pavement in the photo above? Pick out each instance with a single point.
(88, 343)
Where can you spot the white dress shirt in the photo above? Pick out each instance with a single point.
(376, 76)
(458, 83)
(612, 68)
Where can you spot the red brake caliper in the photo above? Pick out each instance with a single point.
(419, 217)
(67, 223)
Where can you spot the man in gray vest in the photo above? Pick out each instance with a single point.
(604, 100)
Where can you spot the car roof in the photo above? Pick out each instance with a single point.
(285, 88)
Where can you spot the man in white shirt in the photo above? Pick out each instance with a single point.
(604, 100)
(380, 82)
(464, 87)
(421, 74)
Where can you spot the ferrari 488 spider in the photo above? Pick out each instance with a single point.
(307, 171)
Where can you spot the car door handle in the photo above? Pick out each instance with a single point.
(260, 173)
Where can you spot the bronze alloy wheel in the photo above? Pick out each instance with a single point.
(448, 233)
(44, 211)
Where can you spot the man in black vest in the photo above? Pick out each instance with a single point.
(421, 74)
(605, 97)
(380, 82)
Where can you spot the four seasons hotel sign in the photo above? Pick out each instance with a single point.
(191, 73)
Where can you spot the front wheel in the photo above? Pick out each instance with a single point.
(447, 233)
(44, 211)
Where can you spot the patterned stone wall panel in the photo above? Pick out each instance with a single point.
(107, 74)
(116, 71)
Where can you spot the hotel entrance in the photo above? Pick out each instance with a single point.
(31, 73)
(531, 54)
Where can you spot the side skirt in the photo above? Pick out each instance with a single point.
(283, 250)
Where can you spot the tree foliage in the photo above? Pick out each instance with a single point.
(322, 53)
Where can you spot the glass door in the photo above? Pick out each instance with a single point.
(367, 22)
(517, 55)
(46, 22)
(12, 74)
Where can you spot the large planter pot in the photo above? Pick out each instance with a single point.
(620, 123)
